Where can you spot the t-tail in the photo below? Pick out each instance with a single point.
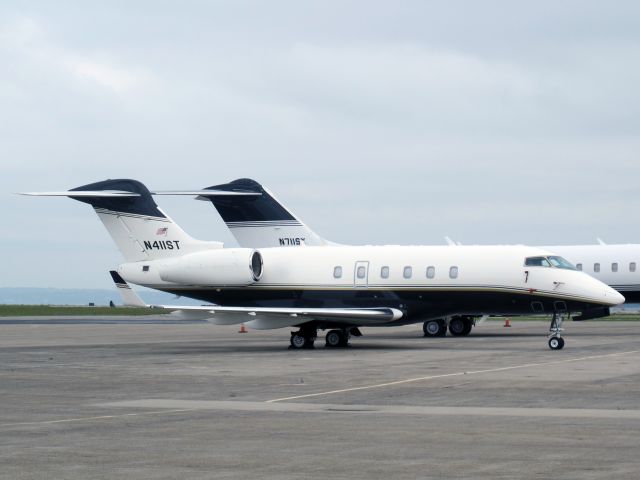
(140, 229)
(259, 220)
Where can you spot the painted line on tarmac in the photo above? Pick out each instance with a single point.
(100, 417)
(190, 406)
(323, 408)
(446, 375)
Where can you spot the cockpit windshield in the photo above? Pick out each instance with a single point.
(560, 262)
(550, 261)
(537, 262)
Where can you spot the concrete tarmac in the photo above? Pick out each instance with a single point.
(158, 399)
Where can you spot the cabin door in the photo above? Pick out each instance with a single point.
(361, 274)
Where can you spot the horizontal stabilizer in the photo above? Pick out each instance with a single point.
(207, 193)
(120, 193)
(84, 193)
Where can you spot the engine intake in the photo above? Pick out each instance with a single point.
(256, 265)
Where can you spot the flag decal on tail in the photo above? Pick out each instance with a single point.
(162, 231)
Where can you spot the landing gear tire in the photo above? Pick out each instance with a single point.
(336, 339)
(302, 339)
(434, 328)
(298, 341)
(460, 326)
(556, 343)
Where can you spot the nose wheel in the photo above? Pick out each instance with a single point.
(556, 342)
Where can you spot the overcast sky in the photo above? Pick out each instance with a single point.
(375, 122)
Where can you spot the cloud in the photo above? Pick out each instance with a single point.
(399, 123)
(28, 42)
(119, 80)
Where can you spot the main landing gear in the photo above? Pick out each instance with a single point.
(458, 326)
(304, 337)
(434, 328)
(556, 342)
(337, 338)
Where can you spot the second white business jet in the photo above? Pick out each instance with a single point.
(335, 288)
(262, 221)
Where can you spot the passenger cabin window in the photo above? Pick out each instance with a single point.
(596, 267)
(453, 272)
(361, 272)
(632, 267)
(431, 272)
(614, 267)
(406, 273)
(145, 268)
(337, 272)
(579, 266)
(550, 261)
(384, 272)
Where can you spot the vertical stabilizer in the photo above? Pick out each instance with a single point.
(258, 221)
(140, 229)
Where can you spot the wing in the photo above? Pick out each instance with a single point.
(265, 318)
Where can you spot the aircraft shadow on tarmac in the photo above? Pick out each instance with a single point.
(373, 343)
(267, 348)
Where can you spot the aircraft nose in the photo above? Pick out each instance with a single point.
(613, 297)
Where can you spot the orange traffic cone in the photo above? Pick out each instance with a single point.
(507, 322)
(242, 329)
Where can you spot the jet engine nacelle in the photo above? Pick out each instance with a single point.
(224, 267)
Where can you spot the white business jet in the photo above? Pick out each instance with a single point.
(262, 221)
(331, 287)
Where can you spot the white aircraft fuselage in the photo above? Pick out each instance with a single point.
(421, 281)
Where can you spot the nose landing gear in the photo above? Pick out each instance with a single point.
(556, 342)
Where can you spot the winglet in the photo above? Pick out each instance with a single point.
(129, 297)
